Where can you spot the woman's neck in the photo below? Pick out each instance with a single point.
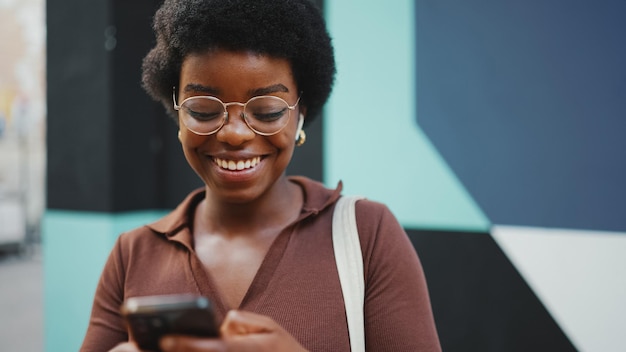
(275, 209)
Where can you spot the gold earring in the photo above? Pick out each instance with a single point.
(301, 138)
(179, 136)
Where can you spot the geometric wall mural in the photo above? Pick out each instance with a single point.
(495, 132)
(480, 301)
(526, 101)
(527, 104)
(372, 141)
(580, 277)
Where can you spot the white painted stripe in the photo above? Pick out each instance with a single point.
(580, 276)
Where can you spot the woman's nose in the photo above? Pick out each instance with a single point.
(235, 131)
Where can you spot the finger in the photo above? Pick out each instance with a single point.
(243, 323)
(125, 347)
(180, 343)
(278, 341)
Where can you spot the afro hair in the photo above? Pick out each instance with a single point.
(290, 29)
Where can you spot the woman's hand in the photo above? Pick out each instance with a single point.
(125, 347)
(241, 332)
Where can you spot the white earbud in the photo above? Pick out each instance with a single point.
(300, 123)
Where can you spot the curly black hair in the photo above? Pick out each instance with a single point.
(290, 29)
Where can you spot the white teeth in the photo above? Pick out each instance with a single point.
(237, 165)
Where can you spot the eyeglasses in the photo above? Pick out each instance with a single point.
(204, 115)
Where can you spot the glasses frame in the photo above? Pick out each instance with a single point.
(242, 115)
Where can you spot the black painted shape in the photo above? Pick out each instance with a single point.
(480, 301)
(103, 141)
(110, 148)
(77, 96)
(526, 102)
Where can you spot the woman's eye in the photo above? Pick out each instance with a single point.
(269, 116)
(204, 115)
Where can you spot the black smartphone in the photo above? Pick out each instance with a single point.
(151, 317)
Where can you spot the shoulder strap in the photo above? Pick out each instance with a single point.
(347, 247)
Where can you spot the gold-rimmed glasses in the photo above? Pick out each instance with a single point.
(266, 115)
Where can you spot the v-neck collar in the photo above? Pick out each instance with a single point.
(176, 226)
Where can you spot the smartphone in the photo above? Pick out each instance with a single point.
(150, 317)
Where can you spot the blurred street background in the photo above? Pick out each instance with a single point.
(22, 173)
(21, 300)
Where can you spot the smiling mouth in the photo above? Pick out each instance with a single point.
(237, 164)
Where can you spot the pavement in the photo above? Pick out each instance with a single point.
(21, 300)
(22, 175)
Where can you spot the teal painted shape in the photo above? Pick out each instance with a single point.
(373, 142)
(75, 248)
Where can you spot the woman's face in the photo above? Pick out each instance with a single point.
(234, 76)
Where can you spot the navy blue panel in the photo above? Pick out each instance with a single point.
(480, 302)
(527, 103)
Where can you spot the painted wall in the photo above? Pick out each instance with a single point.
(504, 120)
(75, 248)
(370, 124)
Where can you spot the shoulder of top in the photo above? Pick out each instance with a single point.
(364, 202)
(372, 209)
(140, 233)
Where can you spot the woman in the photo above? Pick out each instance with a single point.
(241, 78)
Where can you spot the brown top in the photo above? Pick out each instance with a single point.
(297, 284)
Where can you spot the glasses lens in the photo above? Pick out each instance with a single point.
(202, 114)
(267, 114)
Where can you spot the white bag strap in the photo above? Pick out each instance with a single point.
(347, 247)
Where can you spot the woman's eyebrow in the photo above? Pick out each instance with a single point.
(195, 87)
(269, 89)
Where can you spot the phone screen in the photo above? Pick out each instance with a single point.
(151, 317)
